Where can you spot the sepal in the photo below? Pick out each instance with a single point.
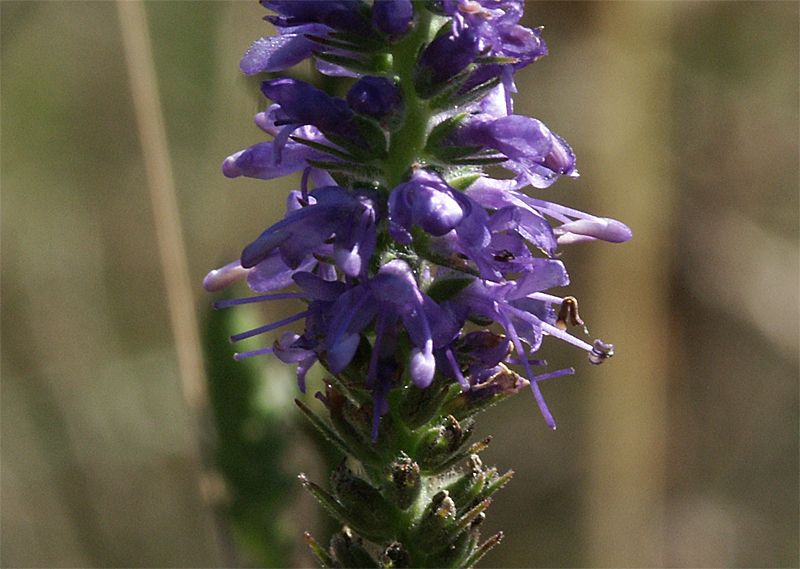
(323, 428)
(454, 98)
(484, 548)
(323, 557)
(420, 406)
(338, 511)
(332, 42)
(372, 65)
(351, 424)
(352, 170)
(364, 504)
(349, 550)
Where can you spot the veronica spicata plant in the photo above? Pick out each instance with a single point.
(395, 241)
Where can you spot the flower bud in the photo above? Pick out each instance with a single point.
(404, 481)
(440, 443)
(444, 58)
(396, 556)
(437, 522)
(469, 485)
(377, 98)
(427, 201)
(365, 506)
(392, 17)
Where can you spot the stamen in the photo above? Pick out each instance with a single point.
(239, 356)
(304, 183)
(546, 297)
(250, 299)
(457, 370)
(518, 362)
(600, 352)
(302, 370)
(568, 314)
(561, 335)
(268, 327)
(537, 394)
(554, 374)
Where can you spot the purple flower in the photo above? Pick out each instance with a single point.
(391, 302)
(303, 104)
(526, 314)
(342, 15)
(389, 276)
(376, 97)
(332, 212)
(392, 18)
(576, 226)
(390, 298)
(288, 48)
(267, 160)
(496, 23)
(533, 151)
(426, 201)
(280, 157)
(444, 58)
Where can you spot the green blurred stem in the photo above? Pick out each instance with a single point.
(161, 187)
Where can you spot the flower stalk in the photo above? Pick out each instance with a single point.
(397, 240)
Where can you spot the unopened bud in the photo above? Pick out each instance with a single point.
(405, 481)
(365, 506)
(436, 523)
(396, 555)
(441, 442)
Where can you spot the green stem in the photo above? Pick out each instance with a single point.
(398, 495)
(406, 145)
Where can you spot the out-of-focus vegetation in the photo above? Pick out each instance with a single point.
(681, 452)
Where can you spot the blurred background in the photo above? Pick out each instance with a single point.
(681, 452)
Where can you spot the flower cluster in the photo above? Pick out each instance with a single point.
(396, 237)
(422, 281)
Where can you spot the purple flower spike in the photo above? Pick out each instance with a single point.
(392, 18)
(397, 235)
(427, 201)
